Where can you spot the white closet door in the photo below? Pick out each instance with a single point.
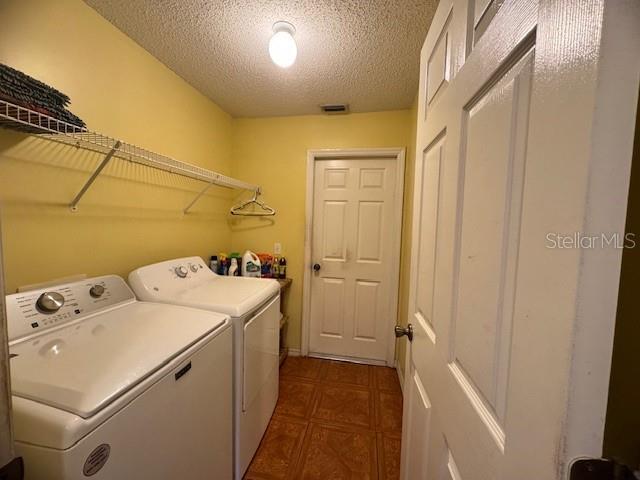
(354, 249)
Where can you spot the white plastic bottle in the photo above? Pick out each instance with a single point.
(250, 264)
(233, 269)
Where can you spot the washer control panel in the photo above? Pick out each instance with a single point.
(171, 276)
(31, 312)
(189, 267)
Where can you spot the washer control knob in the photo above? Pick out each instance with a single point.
(193, 267)
(96, 291)
(181, 271)
(50, 302)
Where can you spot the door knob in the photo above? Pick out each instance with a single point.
(408, 331)
(316, 266)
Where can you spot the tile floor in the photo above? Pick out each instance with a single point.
(333, 420)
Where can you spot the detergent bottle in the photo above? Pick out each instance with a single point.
(250, 265)
(233, 269)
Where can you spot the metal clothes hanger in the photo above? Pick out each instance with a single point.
(238, 210)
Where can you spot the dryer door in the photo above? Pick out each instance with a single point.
(261, 340)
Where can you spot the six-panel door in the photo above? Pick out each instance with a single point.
(353, 242)
(501, 332)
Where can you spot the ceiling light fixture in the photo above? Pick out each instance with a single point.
(282, 46)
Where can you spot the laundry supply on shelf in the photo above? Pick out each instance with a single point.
(251, 266)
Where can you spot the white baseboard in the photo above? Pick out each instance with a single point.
(294, 352)
(400, 376)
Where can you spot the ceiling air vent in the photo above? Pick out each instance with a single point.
(334, 108)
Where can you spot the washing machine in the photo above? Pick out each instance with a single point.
(254, 307)
(107, 387)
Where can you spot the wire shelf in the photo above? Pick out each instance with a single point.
(30, 121)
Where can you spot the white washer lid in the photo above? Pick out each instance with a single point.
(234, 296)
(84, 366)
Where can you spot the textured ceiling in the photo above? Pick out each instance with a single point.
(361, 52)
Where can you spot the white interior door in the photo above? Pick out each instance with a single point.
(507, 374)
(355, 249)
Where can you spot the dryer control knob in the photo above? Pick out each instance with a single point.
(193, 267)
(96, 291)
(181, 271)
(50, 302)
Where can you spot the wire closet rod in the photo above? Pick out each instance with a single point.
(30, 121)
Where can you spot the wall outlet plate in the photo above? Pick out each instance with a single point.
(277, 248)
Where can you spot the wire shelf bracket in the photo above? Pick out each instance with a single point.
(74, 203)
(193, 202)
(44, 126)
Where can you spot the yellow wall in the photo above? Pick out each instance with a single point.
(405, 261)
(132, 214)
(274, 152)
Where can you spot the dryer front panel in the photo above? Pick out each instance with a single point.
(261, 350)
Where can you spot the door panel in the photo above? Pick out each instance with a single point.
(479, 10)
(366, 310)
(427, 247)
(416, 433)
(484, 12)
(355, 201)
(508, 356)
(334, 247)
(336, 177)
(372, 177)
(332, 299)
(439, 64)
(370, 231)
(494, 163)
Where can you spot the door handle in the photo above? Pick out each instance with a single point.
(316, 267)
(401, 331)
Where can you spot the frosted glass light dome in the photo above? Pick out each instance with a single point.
(282, 46)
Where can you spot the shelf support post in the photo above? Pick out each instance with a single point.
(202, 192)
(74, 203)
